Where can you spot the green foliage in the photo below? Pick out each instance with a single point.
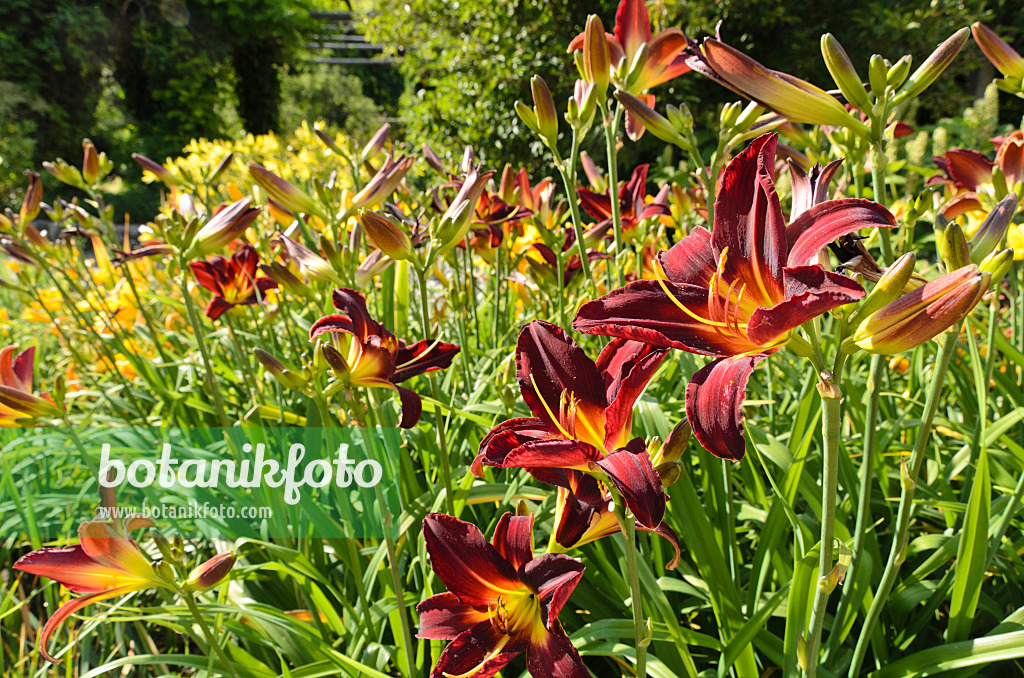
(322, 92)
(467, 63)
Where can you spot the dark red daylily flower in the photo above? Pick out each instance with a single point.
(969, 173)
(583, 416)
(546, 270)
(665, 60)
(633, 205)
(104, 564)
(501, 601)
(233, 281)
(362, 353)
(738, 292)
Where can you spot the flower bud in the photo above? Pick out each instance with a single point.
(1006, 60)
(843, 72)
(659, 126)
(675, 444)
(669, 472)
(997, 264)
(211, 572)
(221, 166)
(65, 173)
(376, 142)
(582, 105)
(90, 163)
(386, 235)
(681, 117)
(933, 66)
(877, 73)
(284, 192)
(595, 55)
(529, 117)
(952, 246)
(33, 196)
(730, 112)
(891, 285)
(993, 229)
(898, 73)
(289, 378)
(789, 96)
(384, 183)
(329, 142)
(312, 265)
(923, 313)
(457, 219)
(220, 231)
(544, 109)
(158, 171)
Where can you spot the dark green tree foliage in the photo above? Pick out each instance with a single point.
(51, 54)
(466, 63)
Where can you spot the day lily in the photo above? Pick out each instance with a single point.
(974, 176)
(104, 564)
(737, 293)
(545, 270)
(1006, 59)
(17, 403)
(383, 183)
(923, 313)
(362, 353)
(284, 192)
(501, 601)
(233, 281)
(226, 225)
(789, 96)
(582, 422)
(649, 60)
(632, 201)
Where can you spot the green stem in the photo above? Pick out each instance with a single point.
(569, 181)
(867, 465)
(611, 133)
(193, 319)
(194, 609)
(442, 442)
(896, 552)
(831, 422)
(628, 528)
(878, 161)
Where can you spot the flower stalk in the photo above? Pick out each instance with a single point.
(906, 507)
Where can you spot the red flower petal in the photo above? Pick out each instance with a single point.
(553, 577)
(467, 563)
(811, 291)
(632, 26)
(714, 400)
(821, 224)
(412, 407)
(443, 617)
(643, 312)
(505, 437)
(552, 453)
(638, 483)
(548, 364)
(553, 656)
(627, 367)
(469, 650)
(969, 168)
(336, 322)
(423, 356)
(513, 538)
(691, 261)
(749, 221)
(69, 608)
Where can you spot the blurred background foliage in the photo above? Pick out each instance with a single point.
(149, 76)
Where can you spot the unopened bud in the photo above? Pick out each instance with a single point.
(376, 142)
(90, 163)
(877, 73)
(33, 197)
(595, 55)
(890, 286)
(211, 573)
(991, 232)
(897, 75)
(289, 378)
(843, 72)
(386, 235)
(997, 264)
(952, 246)
(284, 192)
(933, 66)
(658, 125)
(544, 110)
